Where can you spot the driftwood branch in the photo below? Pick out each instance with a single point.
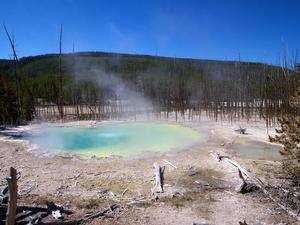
(171, 164)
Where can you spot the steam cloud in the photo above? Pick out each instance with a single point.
(84, 69)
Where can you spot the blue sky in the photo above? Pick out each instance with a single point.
(255, 30)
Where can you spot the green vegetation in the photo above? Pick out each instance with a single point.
(289, 136)
(91, 81)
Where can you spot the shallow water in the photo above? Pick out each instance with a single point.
(247, 148)
(115, 138)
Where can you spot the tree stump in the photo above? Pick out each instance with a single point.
(12, 201)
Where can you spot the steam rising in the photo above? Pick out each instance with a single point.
(112, 89)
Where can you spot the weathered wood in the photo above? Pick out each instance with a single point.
(159, 179)
(240, 188)
(55, 210)
(4, 195)
(123, 193)
(171, 164)
(243, 222)
(248, 174)
(241, 130)
(13, 192)
(203, 223)
(92, 216)
(245, 187)
(258, 183)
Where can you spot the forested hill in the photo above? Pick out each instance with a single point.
(96, 80)
(121, 63)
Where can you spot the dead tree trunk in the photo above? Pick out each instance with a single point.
(159, 179)
(17, 78)
(60, 97)
(12, 202)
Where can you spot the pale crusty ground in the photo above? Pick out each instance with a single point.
(76, 182)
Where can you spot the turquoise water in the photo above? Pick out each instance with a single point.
(251, 149)
(115, 138)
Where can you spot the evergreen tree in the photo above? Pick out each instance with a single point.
(289, 135)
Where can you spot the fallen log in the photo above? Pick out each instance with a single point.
(257, 182)
(245, 187)
(102, 213)
(86, 219)
(55, 210)
(248, 174)
(241, 187)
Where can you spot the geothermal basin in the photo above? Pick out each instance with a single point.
(115, 138)
(253, 149)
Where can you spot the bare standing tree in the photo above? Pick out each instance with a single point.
(60, 98)
(17, 78)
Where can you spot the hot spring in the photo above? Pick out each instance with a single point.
(115, 138)
(251, 149)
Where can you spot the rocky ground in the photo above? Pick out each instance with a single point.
(200, 189)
